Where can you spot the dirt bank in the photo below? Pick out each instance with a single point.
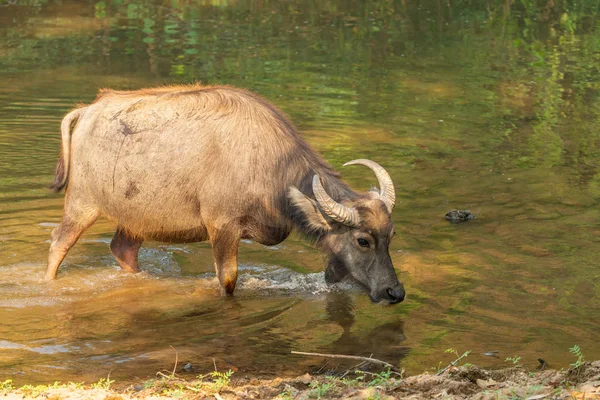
(456, 383)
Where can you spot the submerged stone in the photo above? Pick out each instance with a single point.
(456, 216)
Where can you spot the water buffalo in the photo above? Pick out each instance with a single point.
(196, 163)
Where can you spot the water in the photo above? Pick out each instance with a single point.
(494, 109)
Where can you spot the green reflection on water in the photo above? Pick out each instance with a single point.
(492, 107)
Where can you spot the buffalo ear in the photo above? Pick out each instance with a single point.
(312, 217)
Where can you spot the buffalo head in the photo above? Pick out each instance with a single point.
(356, 233)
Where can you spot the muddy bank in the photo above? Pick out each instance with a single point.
(469, 382)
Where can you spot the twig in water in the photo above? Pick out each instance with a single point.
(321, 369)
(367, 359)
(176, 359)
(174, 368)
(353, 369)
(163, 375)
(215, 364)
(369, 373)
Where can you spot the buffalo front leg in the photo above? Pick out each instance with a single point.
(125, 248)
(64, 236)
(225, 253)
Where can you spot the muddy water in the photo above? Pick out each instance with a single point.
(495, 110)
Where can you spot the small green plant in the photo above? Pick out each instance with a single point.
(456, 361)
(353, 382)
(451, 350)
(37, 390)
(6, 385)
(148, 384)
(103, 383)
(55, 385)
(576, 351)
(33, 391)
(320, 389)
(75, 385)
(381, 378)
(527, 392)
(384, 378)
(287, 394)
(514, 360)
(175, 393)
(220, 381)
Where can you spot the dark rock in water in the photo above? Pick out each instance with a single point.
(456, 216)
(188, 367)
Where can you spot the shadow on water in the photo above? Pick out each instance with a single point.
(491, 107)
(340, 310)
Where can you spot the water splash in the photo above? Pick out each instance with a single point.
(272, 278)
(100, 274)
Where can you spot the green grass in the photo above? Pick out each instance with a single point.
(6, 385)
(220, 380)
(514, 360)
(320, 390)
(576, 351)
(103, 383)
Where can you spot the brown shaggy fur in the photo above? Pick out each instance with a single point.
(194, 163)
(60, 180)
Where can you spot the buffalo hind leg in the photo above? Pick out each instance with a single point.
(225, 253)
(64, 236)
(125, 248)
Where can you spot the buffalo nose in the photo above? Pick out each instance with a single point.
(396, 294)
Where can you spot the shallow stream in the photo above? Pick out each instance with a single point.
(492, 108)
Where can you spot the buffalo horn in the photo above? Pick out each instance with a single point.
(387, 192)
(333, 209)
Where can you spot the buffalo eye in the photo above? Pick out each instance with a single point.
(363, 242)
